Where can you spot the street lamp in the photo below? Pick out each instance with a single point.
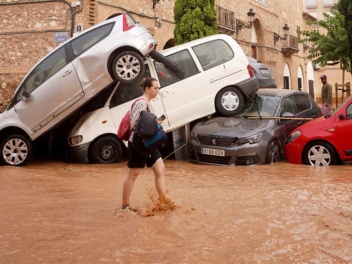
(277, 37)
(240, 24)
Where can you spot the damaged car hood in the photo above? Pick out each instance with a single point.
(230, 127)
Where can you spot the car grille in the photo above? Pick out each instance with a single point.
(249, 160)
(214, 159)
(217, 141)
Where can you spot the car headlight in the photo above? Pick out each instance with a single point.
(252, 139)
(294, 135)
(76, 140)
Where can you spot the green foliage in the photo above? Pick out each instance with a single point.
(194, 19)
(331, 46)
(345, 8)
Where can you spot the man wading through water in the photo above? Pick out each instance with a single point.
(139, 158)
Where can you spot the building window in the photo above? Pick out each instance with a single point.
(263, 2)
(311, 3)
(328, 3)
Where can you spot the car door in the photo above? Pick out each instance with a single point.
(300, 106)
(183, 100)
(343, 130)
(52, 86)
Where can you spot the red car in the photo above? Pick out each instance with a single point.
(323, 141)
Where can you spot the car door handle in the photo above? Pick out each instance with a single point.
(299, 123)
(67, 73)
(164, 94)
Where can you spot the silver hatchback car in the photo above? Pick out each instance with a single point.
(70, 76)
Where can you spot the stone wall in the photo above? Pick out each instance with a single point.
(26, 35)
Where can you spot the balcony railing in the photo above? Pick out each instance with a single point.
(226, 20)
(291, 46)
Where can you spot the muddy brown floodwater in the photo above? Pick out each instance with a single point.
(56, 212)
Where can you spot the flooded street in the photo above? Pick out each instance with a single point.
(56, 212)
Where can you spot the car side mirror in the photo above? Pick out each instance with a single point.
(341, 117)
(25, 95)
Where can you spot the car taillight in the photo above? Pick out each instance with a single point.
(127, 24)
(250, 70)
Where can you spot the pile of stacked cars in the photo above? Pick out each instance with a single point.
(102, 68)
(218, 79)
(67, 78)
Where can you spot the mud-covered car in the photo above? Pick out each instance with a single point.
(255, 136)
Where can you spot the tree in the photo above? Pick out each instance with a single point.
(345, 8)
(331, 47)
(194, 19)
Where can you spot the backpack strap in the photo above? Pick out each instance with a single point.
(141, 98)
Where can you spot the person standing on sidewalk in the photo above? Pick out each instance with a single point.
(139, 158)
(326, 96)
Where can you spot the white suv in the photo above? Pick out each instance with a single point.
(217, 78)
(68, 77)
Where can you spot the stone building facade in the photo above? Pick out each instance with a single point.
(28, 30)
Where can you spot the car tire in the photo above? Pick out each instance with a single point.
(229, 101)
(15, 150)
(319, 153)
(273, 152)
(128, 67)
(106, 150)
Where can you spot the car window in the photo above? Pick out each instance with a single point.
(349, 112)
(184, 60)
(42, 72)
(289, 106)
(128, 92)
(213, 53)
(89, 39)
(265, 105)
(302, 102)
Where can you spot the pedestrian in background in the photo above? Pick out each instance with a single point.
(326, 96)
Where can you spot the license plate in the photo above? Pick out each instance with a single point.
(214, 152)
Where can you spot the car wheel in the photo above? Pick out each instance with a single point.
(229, 101)
(15, 150)
(106, 150)
(319, 154)
(128, 67)
(273, 153)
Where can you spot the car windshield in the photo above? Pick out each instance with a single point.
(262, 106)
(341, 105)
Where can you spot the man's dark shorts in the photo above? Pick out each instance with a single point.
(138, 159)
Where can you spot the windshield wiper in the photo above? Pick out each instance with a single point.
(259, 114)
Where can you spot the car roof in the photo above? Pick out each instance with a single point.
(278, 92)
(165, 52)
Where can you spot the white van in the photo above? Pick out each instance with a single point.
(217, 78)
